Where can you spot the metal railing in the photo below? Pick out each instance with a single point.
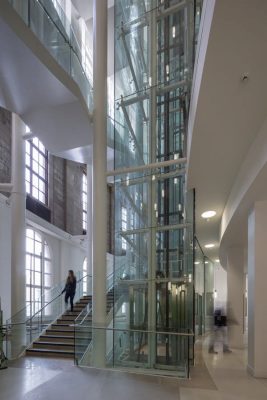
(129, 348)
(22, 331)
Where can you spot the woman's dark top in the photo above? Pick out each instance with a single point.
(70, 286)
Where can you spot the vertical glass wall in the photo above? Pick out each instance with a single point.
(153, 313)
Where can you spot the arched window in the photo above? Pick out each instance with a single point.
(38, 271)
(36, 174)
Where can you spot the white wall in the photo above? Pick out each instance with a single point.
(5, 257)
(220, 285)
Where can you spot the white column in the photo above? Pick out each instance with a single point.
(235, 296)
(89, 225)
(257, 290)
(18, 205)
(99, 180)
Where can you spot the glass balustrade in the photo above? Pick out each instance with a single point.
(129, 348)
(51, 26)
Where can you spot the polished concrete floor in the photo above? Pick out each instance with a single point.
(215, 377)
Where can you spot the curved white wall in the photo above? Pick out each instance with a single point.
(249, 186)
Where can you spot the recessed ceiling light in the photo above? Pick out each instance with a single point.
(196, 262)
(217, 260)
(209, 245)
(206, 262)
(208, 214)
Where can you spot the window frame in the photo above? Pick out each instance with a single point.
(34, 303)
(33, 174)
(84, 203)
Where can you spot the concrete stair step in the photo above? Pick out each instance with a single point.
(65, 321)
(50, 353)
(55, 338)
(53, 346)
(58, 339)
(68, 317)
(62, 327)
(59, 332)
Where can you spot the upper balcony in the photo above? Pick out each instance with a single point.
(46, 74)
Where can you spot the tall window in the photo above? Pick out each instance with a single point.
(84, 202)
(36, 170)
(38, 271)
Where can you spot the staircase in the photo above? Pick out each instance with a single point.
(58, 339)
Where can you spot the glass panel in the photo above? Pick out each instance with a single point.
(47, 267)
(42, 197)
(27, 159)
(29, 245)
(35, 156)
(28, 188)
(37, 278)
(47, 251)
(47, 280)
(38, 247)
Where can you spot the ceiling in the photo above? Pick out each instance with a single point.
(229, 110)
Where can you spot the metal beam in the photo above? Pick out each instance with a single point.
(171, 10)
(162, 164)
(170, 88)
(132, 100)
(159, 228)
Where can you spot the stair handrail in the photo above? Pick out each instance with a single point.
(42, 308)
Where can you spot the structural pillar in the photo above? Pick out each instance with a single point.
(18, 226)
(257, 292)
(99, 181)
(235, 296)
(89, 226)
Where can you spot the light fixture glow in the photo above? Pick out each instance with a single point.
(208, 214)
(162, 193)
(196, 262)
(167, 69)
(153, 177)
(175, 181)
(173, 32)
(217, 260)
(209, 245)
(206, 262)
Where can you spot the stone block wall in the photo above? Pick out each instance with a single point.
(64, 187)
(5, 146)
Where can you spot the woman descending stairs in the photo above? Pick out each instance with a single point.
(58, 339)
